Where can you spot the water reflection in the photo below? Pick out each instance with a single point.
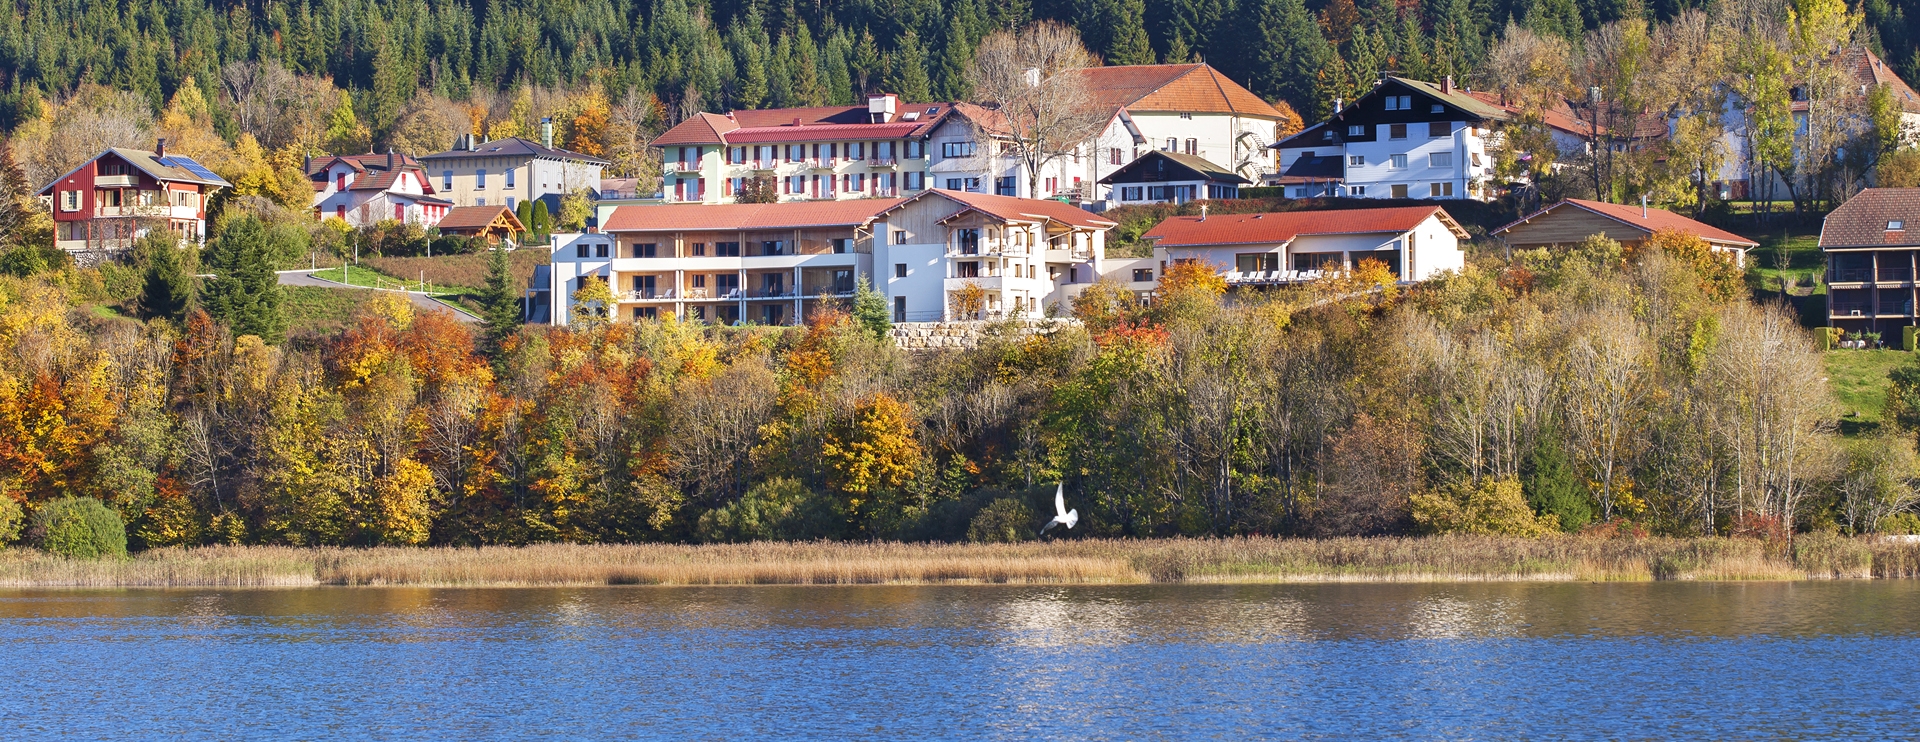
(1149, 661)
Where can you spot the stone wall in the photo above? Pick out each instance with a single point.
(966, 334)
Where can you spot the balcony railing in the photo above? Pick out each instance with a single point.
(1849, 309)
(882, 161)
(1851, 275)
(772, 292)
(644, 295)
(676, 166)
(1895, 275)
(986, 250)
(830, 290)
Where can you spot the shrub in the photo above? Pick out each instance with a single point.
(1003, 521)
(1494, 506)
(777, 509)
(80, 528)
(11, 519)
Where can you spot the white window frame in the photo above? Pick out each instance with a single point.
(1440, 159)
(1397, 162)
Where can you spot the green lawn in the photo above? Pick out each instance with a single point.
(1858, 379)
(311, 308)
(354, 275)
(1791, 252)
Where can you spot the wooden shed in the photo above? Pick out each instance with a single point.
(494, 223)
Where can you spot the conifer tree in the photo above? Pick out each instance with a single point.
(244, 292)
(870, 309)
(956, 51)
(907, 70)
(166, 290)
(498, 297)
(1126, 32)
(804, 67)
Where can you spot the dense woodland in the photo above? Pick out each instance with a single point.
(1595, 388)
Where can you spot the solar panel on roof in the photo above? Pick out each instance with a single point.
(190, 166)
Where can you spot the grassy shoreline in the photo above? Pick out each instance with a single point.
(1092, 561)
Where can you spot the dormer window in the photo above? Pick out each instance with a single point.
(1896, 225)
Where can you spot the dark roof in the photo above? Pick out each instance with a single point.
(378, 171)
(811, 124)
(168, 168)
(1281, 227)
(1318, 167)
(515, 147)
(1194, 167)
(1868, 220)
(1644, 219)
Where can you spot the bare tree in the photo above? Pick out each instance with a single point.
(1604, 379)
(265, 100)
(1765, 377)
(88, 122)
(1042, 106)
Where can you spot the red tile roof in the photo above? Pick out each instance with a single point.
(1864, 220)
(1175, 88)
(1650, 221)
(821, 133)
(702, 128)
(1282, 227)
(720, 217)
(1011, 209)
(1868, 69)
(477, 217)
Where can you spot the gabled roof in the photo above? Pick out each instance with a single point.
(1452, 96)
(1282, 227)
(166, 169)
(812, 124)
(516, 147)
(1197, 167)
(1647, 220)
(478, 217)
(1012, 209)
(1312, 136)
(1175, 88)
(1867, 220)
(374, 172)
(722, 217)
(1869, 69)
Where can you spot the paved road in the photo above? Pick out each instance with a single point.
(420, 301)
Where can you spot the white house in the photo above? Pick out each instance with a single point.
(1863, 70)
(505, 172)
(936, 254)
(364, 190)
(1252, 250)
(810, 154)
(1402, 139)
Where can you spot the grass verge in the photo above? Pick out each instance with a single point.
(1859, 382)
(311, 308)
(1088, 561)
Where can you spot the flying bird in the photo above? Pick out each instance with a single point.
(1063, 517)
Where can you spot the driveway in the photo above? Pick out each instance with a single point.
(421, 301)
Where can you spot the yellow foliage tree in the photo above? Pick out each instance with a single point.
(593, 303)
(1718, 276)
(403, 503)
(1490, 507)
(874, 450)
(587, 124)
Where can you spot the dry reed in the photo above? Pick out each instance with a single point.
(1088, 561)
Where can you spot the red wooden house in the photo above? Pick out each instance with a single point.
(109, 202)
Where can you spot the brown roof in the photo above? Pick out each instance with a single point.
(720, 217)
(812, 124)
(1644, 219)
(1011, 209)
(1868, 220)
(382, 171)
(477, 218)
(164, 168)
(1175, 88)
(701, 128)
(1868, 69)
(1282, 227)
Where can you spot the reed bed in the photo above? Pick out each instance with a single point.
(1088, 561)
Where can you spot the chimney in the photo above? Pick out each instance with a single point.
(160, 147)
(1203, 212)
(390, 157)
(1643, 206)
(1446, 85)
(881, 107)
(546, 132)
(1337, 105)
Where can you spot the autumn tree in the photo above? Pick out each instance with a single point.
(1043, 108)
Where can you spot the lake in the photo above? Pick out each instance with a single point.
(1461, 661)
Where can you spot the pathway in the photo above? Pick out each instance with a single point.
(421, 300)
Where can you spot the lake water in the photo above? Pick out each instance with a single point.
(1472, 661)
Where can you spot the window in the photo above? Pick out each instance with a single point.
(340, 212)
(956, 149)
(581, 250)
(1355, 130)
(1173, 145)
(1438, 129)
(1254, 262)
(1113, 156)
(446, 180)
(726, 249)
(1399, 102)
(916, 181)
(1193, 146)
(840, 245)
(1440, 159)
(858, 150)
(1053, 185)
(69, 200)
(737, 155)
(899, 309)
(773, 247)
(512, 202)
(340, 181)
(699, 249)
(399, 212)
(1400, 191)
(1396, 131)
(1130, 193)
(1896, 225)
(955, 184)
(481, 201)
(1437, 108)
(899, 270)
(645, 250)
(899, 237)
(699, 281)
(600, 250)
(1440, 190)
(1356, 160)
(966, 269)
(1358, 190)
(480, 179)
(1006, 186)
(1187, 116)
(1398, 162)
(1476, 159)
(1142, 275)
(509, 177)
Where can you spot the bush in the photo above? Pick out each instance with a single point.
(11, 519)
(1493, 507)
(777, 509)
(80, 528)
(1003, 521)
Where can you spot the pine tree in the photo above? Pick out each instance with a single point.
(907, 70)
(166, 290)
(245, 293)
(865, 66)
(345, 135)
(1555, 18)
(950, 81)
(499, 299)
(870, 309)
(804, 66)
(1294, 52)
(1126, 32)
(1177, 51)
